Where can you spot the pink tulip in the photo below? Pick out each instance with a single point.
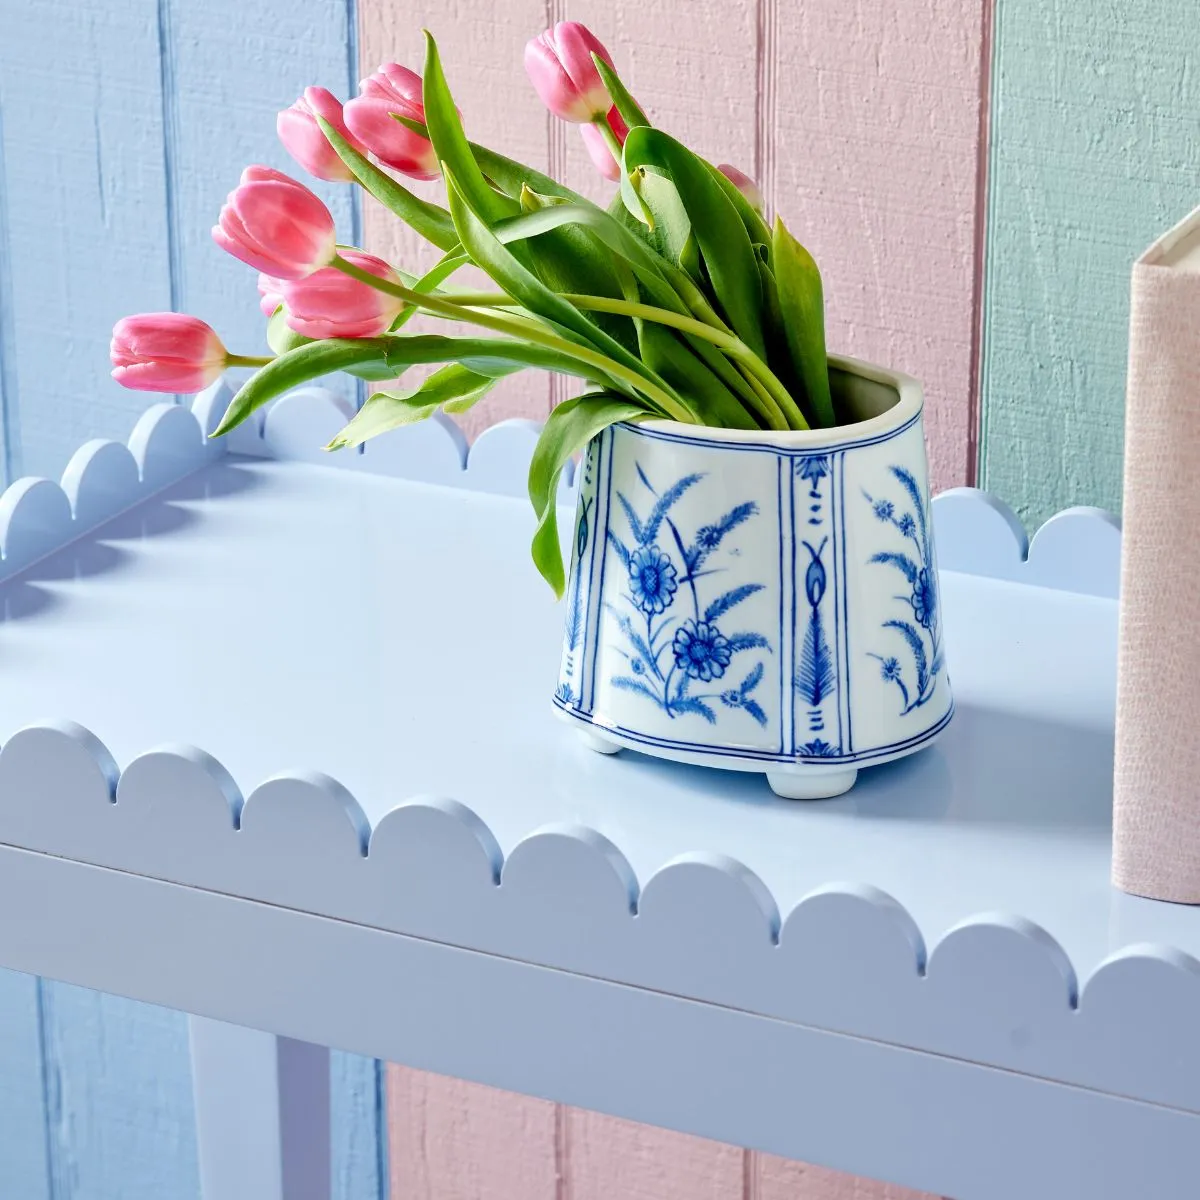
(165, 352)
(330, 304)
(744, 184)
(276, 225)
(561, 69)
(302, 137)
(598, 148)
(270, 290)
(393, 89)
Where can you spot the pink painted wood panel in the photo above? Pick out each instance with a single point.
(605, 1157)
(873, 113)
(449, 1140)
(779, 1179)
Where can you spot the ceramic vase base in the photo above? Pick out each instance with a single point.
(598, 742)
(812, 783)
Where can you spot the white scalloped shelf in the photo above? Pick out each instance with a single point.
(329, 618)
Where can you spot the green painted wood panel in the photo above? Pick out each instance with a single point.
(1095, 149)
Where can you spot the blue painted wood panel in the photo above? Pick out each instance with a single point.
(84, 210)
(24, 1165)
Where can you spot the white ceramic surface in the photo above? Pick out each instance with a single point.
(761, 601)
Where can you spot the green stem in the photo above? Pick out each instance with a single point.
(445, 307)
(777, 406)
(618, 151)
(247, 360)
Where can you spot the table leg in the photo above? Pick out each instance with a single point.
(262, 1114)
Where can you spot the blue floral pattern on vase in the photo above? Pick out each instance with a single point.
(674, 643)
(918, 629)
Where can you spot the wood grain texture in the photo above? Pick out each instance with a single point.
(85, 210)
(778, 1179)
(605, 1157)
(24, 1167)
(1094, 150)
(228, 68)
(119, 1115)
(482, 44)
(872, 159)
(450, 1140)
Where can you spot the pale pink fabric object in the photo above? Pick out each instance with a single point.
(1156, 809)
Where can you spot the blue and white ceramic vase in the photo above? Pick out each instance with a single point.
(761, 601)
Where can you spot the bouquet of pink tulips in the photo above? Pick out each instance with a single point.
(676, 302)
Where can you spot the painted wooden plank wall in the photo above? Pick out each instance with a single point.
(118, 144)
(1094, 152)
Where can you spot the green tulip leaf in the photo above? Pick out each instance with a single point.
(450, 142)
(429, 282)
(484, 355)
(488, 252)
(725, 245)
(431, 221)
(299, 366)
(452, 385)
(631, 112)
(802, 313)
(281, 337)
(567, 430)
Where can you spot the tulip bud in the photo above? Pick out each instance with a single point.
(307, 144)
(560, 66)
(745, 185)
(270, 290)
(276, 225)
(598, 147)
(393, 89)
(330, 303)
(165, 352)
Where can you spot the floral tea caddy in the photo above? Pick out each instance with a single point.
(760, 601)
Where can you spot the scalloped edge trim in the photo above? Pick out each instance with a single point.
(848, 957)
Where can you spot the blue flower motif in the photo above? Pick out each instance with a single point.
(813, 467)
(732, 698)
(638, 667)
(884, 509)
(890, 669)
(652, 579)
(701, 650)
(708, 538)
(924, 598)
(819, 749)
(907, 525)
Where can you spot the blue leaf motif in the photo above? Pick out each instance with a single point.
(635, 526)
(665, 503)
(917, 646)
(755, 710)
(900, 561)
(621, 549)
(690, 704)
(628, 684)
(747, 641)
(723, 603)
(914, 494)
(814, 676)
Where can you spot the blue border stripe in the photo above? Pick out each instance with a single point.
(763, 756)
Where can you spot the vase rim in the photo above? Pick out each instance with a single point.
(909, 403)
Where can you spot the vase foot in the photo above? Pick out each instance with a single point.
(812, 783)
(598, 742)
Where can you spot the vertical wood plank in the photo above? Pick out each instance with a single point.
(604, 1157)
(779, 1179)
(359, 1133)
(482, 45)
(24, 1168)
(1094, 149)
(873, 156)
(230, 67)
(85, 203)
(451, 1140)
(120, 1120)
(8, 331)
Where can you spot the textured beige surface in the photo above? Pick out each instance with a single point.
(1156, 812)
